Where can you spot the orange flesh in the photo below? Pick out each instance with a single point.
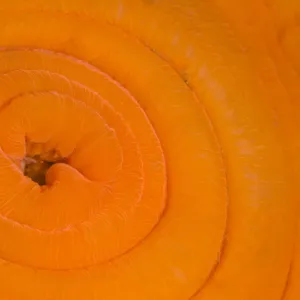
(149, 150)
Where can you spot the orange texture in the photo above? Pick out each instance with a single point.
(149, 150)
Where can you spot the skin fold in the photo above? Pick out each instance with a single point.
(149, 150)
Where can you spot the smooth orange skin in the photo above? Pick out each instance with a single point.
(180, 123)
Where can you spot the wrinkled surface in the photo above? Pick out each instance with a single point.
(179, 124)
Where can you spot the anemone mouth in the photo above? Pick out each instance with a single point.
(37, 162)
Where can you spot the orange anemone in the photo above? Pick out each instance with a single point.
(149, 150)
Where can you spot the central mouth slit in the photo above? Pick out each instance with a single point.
(37, 162)
(36, 169)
